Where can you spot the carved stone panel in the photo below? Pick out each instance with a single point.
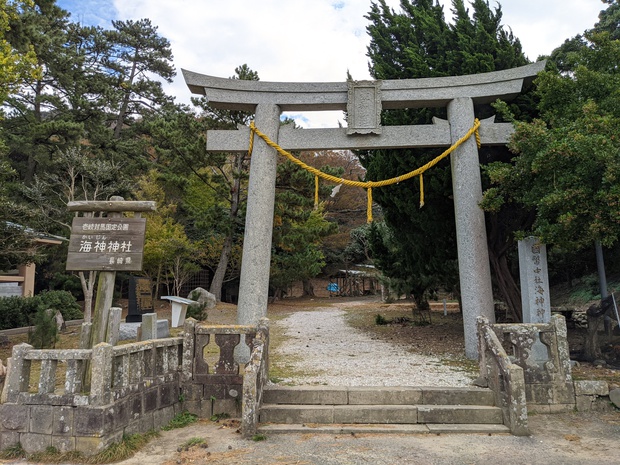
(364, 107)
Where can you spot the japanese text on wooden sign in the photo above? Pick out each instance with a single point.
(106, 244)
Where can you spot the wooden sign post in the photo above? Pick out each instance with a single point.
(107, 244)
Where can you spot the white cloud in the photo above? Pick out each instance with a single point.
(316, 40)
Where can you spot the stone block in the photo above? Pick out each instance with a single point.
(457, 396)
(41, 419)
(384, 396)
(89, 445)
(117, 415)
(230, 407)
(459, 414)
(539, 394)
(598, 388)
(134, 404)
(90, 421)
(314, 395)
(202, 408)
(614, 396)
(168, 394)
(134, 427)
(8, 439)
(192, 391)
(146, 422)
(584, 403)
(15, 417)
(63, 421)
(395, 414)
(297, 414)
(217, 391)
(63, 443)
(151, 399)
(34, 442)
(162, 417)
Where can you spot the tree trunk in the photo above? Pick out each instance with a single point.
(88, 287)
(308, 288)
(235, 200)
(506, 284)
(592, 348)
(220, 271)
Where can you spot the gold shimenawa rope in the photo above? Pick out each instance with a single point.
(368, 185)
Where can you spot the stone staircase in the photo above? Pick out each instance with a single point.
(351, 410)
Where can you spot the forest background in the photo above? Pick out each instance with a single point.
(85, 117)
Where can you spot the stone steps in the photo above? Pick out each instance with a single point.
(323, 409)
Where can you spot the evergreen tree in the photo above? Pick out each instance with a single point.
(417, 42)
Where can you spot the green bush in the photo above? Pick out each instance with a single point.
(45, 333)
(17, 312)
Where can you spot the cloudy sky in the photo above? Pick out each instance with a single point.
(305, 40)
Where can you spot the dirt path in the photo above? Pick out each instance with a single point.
(322, 348)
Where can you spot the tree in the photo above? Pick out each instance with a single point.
(414, 43)
(138, 51)
(15, 66)
(212, 185)
(567, 168)
(298, 229)
(75, 175)
(169, 255)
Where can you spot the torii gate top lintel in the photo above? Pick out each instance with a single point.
(235, 94)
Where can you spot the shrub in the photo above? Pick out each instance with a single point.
(17, 312)
(45, 333)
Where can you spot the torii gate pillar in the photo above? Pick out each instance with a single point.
(471, 234)
(254, 280)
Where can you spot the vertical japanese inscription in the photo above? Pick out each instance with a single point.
(364, 107)
(106, 244)
(534, 281)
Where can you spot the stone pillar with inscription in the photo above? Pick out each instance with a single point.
(535, 298)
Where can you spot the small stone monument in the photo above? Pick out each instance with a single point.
(535, 297)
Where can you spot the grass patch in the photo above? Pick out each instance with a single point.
(259, 437)
(127, 447)
(191, 442)
(380, 320)
(13, 452)
(124, 449)
(181, 420)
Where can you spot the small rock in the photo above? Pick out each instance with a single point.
(614, 396)
(229, 447)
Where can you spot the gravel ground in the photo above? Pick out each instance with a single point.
(321, 348)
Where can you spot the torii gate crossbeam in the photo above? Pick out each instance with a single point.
(364, 101)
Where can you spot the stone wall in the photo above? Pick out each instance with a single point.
(87, 399)
(133, 388)
(528, 367)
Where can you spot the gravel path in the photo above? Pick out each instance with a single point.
(328, 351)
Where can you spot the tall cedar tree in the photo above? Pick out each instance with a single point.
(417, 42)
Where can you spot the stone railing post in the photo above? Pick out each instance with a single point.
(19, 375)
(114, 325)
(189, 329)
(101, 377)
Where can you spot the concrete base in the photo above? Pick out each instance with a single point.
(130, 330)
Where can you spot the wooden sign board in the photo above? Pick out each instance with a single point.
(106, 244)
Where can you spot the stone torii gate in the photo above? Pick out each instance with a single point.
(364, 101)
